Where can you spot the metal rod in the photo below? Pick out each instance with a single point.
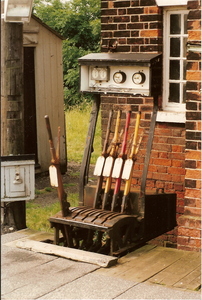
(141, 200)
(83, 180)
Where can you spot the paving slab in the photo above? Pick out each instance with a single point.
(91, 286)
(155, 291)
(32, 275)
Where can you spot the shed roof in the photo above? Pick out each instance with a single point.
(48, 27)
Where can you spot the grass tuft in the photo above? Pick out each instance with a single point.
(37, 216)
(77, 122)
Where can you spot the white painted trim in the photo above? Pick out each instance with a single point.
(171, 117)
(171, 106)
(171, 2)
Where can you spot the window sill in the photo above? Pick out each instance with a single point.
(171, 117)
(168, 2)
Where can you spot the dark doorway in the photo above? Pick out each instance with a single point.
(30, 129)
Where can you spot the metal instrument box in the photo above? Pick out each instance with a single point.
(17, 178)
(134, 73)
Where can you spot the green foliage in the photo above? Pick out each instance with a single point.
(78, 21)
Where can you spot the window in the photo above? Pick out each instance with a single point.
(175, 40)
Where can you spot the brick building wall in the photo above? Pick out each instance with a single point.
(137, 26)
(189, 230)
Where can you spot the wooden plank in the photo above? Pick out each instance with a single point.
(150, 264)
(69, 253)
(188, 262)
(125, 262)
(138, 252)
(191, 281)
(143, 266)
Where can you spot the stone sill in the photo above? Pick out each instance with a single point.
(169, 3)
(171, 117)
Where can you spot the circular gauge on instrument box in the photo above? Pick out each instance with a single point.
(138, 77)
(95, 73)
(103, 73)
(99, 73)
(119, 77)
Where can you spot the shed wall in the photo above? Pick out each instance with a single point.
(49, 88)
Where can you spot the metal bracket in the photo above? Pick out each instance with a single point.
(83, 180)
(141, 202)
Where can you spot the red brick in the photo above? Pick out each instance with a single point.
(161, 169)
(189, 221)
(196, 25)
(194, 35)
(150, 183)
(178, 171)
(110, 4)
(160, 184)
(193, 174)
(193, 75)
(177, 178)
(163, 155)
(151, 33)
(193, 193)
(164, 177)
(161, 161)
(192, 66)
(176, 155)
(198, 203)
(180, 210)
(180, 202)
(188, 248)
(183, 231)
(153, 10)
(193, 211)
(179, 187)
(158, 139)
(178, 163)
(169, 186)
(176, 141)
(152, 168)
(193, 154)
(163, 131)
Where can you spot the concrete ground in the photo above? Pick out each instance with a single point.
(147, 273)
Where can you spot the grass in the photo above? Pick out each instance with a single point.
(37, 216)
(77, 122)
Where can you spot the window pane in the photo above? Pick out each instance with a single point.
(175, 22)
(185, 24)
(174, 92)
(175, 47)
(174, 69)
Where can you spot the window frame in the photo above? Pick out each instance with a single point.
(166, 105)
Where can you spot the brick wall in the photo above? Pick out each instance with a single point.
(136, 26)
(189, 230)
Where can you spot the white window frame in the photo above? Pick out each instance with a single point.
(172, 111)
(167, 2)
(171, 106)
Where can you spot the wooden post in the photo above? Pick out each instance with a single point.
(12, 107)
